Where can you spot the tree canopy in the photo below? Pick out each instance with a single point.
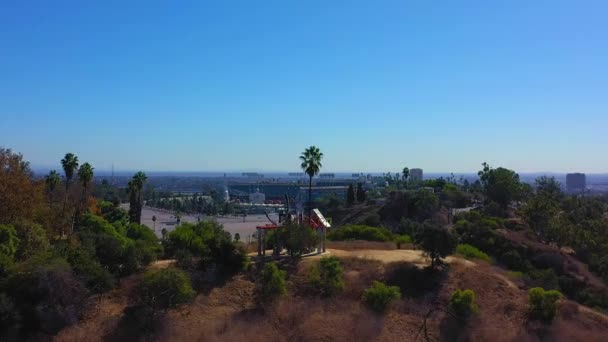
(500, 185)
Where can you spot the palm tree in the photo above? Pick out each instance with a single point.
(69, 164)
(136, 186)
(85, 175)
(405, 174)
(52, 180)
(311, 164)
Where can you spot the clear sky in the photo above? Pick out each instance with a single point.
(247, 85)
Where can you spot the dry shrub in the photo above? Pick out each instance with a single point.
(359, 274)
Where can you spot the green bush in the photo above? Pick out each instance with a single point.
(402, 240)
(88, 270)
(543, 303)
(271, 283)
(9, 242)
(230, 258)
(327, 278)
(46, 294)
(112, 212)
(379, 296)
(546, 279)
(32, 239)
(165, 288)
(471, 252)
(209, 241)
(462, 303)
(104, 242)
(183, 259)
(513, 260)
(360, 232)
(594, 298)
(297, 239)
(198, 239)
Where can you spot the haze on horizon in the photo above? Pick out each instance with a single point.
(220, 86)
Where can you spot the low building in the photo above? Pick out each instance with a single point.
(257, 197)
(416, 175)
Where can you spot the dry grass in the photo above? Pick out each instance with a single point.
(361, 244)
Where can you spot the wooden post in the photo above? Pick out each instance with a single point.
(259, 242)
(263, 244)
(320, 247)
(324, 236)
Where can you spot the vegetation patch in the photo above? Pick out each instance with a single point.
(543, 304)
(379, 296)
(462, 303)
(471, 252)
(360, 232)
(401, 240)
(271, 283)
(208, 241)
(327, 277)
(165, 288)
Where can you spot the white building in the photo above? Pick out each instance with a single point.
(416, 175)
(257, 197)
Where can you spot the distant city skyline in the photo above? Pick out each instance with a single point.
(285, 173)
(247, 86)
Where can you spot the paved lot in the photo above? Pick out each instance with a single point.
(166, 219)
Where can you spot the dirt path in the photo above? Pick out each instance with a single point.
(592, 312)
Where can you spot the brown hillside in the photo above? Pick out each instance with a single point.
(228, 313)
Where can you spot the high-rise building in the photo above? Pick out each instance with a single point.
(416, 175)
(576, 182)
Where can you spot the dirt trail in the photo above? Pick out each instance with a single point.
(592, 312)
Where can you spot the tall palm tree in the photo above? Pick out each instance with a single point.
(136, 200)
(405, 174)
(85, 175)
(311, 165)
(69, 164)
(52, 180)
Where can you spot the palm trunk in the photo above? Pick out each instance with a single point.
(65, 203)
(84, 197)
(65, 199)
(310, 199)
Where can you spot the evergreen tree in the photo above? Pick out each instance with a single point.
(360, 193)
(350, 195)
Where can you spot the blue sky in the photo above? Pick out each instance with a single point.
(247, 85)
